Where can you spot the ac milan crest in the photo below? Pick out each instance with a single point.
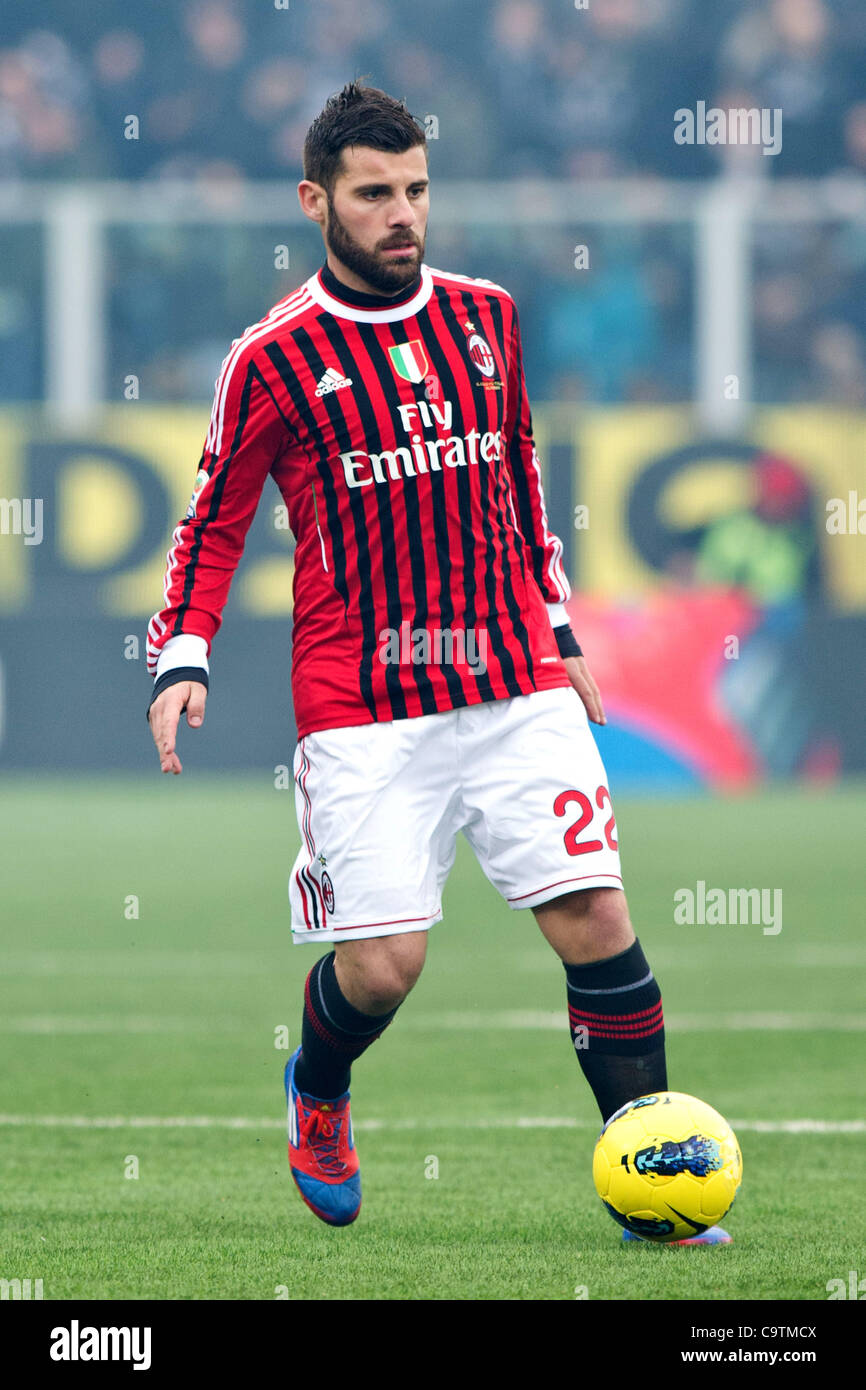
(482, 357)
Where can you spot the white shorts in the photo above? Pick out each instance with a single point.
(380, 805)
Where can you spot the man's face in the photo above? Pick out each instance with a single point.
(377, 216)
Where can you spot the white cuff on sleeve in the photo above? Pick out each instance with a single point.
(184, 650)
(555, 612)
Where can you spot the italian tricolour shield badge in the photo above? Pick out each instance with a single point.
(409, 360)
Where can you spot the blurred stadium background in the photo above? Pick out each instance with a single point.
(694, 320)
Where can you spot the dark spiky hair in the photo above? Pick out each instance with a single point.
(357, 115)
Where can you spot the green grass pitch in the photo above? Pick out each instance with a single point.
(174, 1014)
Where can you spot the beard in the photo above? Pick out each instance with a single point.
(382, 275)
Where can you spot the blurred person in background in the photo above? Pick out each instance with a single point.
(787, 51)
(597, 325)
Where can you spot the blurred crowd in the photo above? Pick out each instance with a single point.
(538, 86)
(227, 88)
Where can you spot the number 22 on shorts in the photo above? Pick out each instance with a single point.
(570, 839)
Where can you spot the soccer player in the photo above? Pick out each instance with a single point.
(437, 684)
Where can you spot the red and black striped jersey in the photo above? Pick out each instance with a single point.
(399, 434)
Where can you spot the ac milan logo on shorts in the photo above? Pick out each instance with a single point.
(328, 892)
(481, 355)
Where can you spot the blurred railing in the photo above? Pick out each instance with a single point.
(85, 264)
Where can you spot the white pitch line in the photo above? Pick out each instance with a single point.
(825, 955)
(478, 1020)
(829, 955)
(144, 962)
(137, 962)
(446, 1123)
(59, 1024)
(742, 1021)
(767, 1022)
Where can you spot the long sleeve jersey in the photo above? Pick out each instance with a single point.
(399, 434)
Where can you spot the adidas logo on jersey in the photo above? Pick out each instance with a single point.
(332, 381)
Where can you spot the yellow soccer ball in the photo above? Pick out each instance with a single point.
(667, 1166)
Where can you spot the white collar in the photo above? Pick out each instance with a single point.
(351, 311)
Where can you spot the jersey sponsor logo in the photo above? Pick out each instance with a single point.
(482, 357)
(328, 892)
(431, 413)
(409, 360)
(422, 456)
(332, 380)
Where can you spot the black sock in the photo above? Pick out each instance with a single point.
(334, 1033)
(617, 1027)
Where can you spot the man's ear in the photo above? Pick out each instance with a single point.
(313, 200)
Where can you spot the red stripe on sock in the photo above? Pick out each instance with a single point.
(615, 1018)
(625, 1037)
(575, 1020)
(641, 1024)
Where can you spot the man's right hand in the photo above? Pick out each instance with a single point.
(164, 716)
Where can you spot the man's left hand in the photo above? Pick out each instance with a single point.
(581, 679)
